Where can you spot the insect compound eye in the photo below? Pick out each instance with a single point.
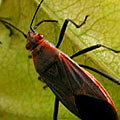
(40, 36)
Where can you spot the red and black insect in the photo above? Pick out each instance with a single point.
(76, 88)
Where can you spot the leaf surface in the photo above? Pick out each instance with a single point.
(21, 95)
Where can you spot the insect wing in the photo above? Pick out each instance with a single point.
(91, 98)
(69, 82)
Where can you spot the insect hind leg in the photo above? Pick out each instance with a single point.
(101, 73)
(56, 107)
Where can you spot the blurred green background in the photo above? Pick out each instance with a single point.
(21, 94)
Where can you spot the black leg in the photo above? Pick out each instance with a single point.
(43, 22)
(45, 86)
(56, 106)
(29, 56)
(92, 48)
(101, 73)
(62, 32)
(39, 78)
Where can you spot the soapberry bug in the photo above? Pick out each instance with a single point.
(76, 88)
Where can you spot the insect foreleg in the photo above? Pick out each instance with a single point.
(62, 32)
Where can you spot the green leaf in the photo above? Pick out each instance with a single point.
(21, 94)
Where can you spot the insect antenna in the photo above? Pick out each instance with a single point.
(31, 28)
(9, 24)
